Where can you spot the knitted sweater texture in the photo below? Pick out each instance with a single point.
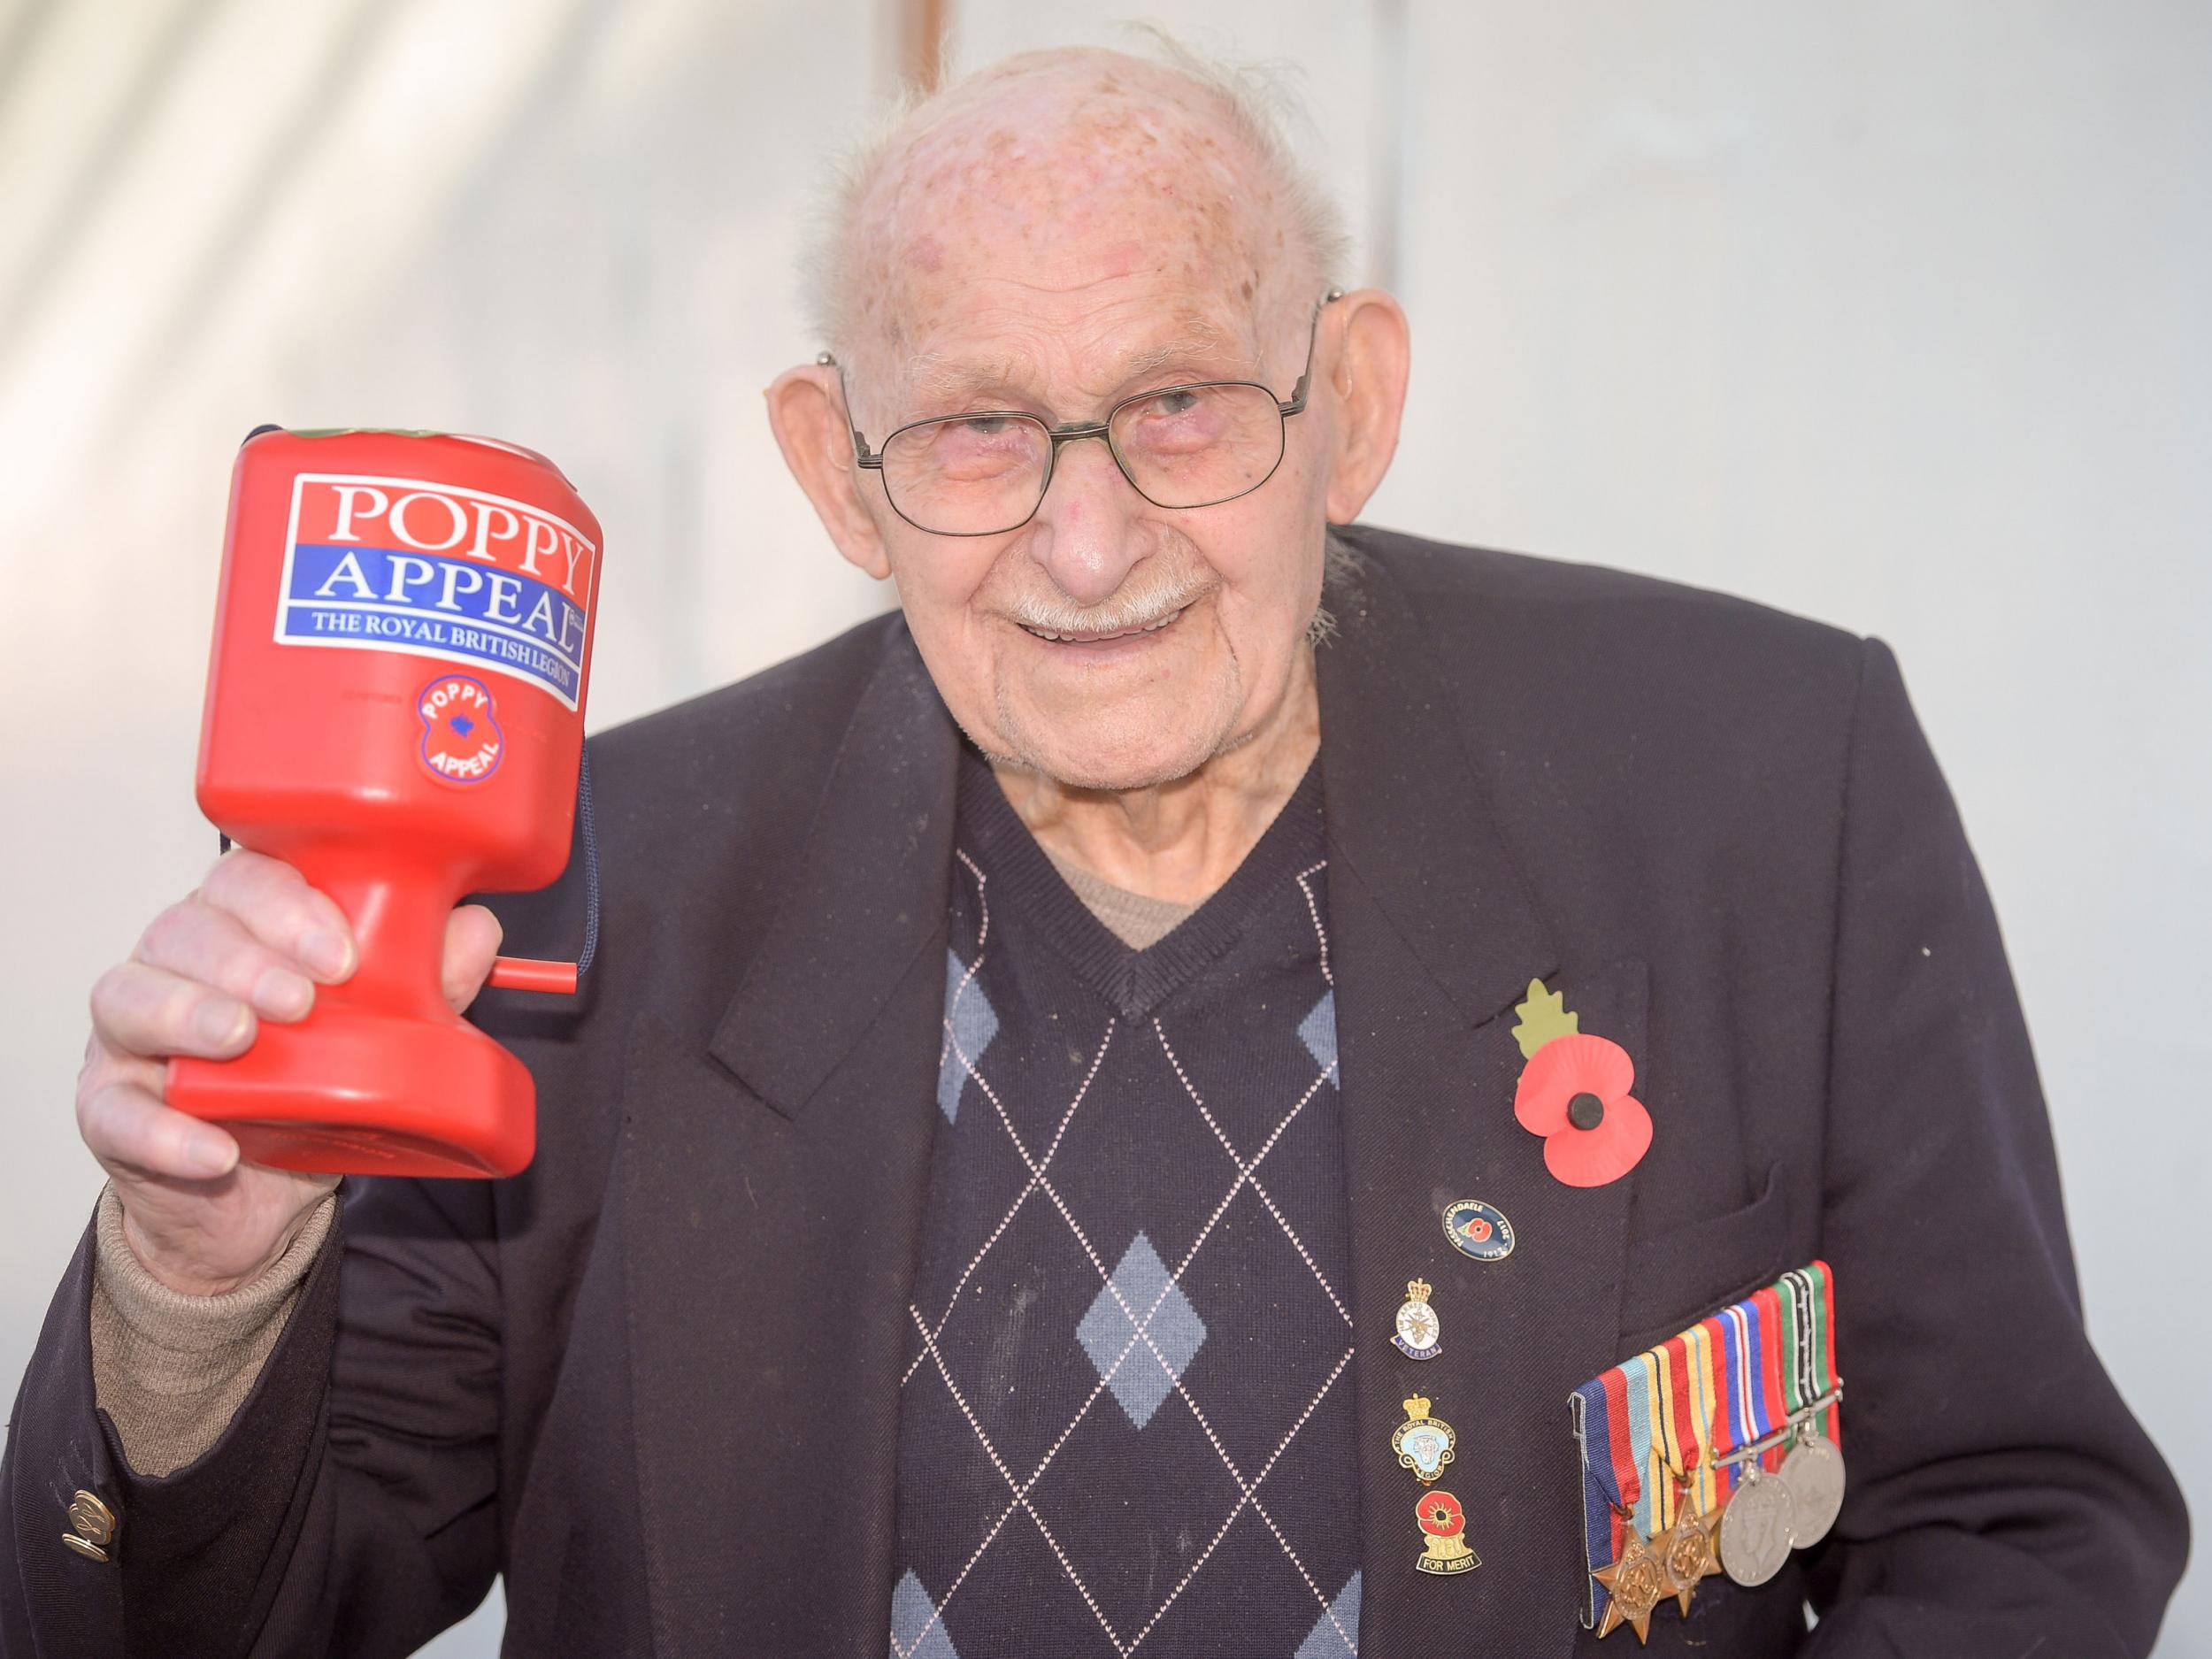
(1126, 1421)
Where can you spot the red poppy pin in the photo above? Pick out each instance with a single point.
(1574, 1092)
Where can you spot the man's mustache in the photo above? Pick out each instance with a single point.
(1140, 603)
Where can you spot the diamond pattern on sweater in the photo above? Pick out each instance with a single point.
(969, 1025)
(917, 1632)
(1336, 1632)
(1317, 1030)
(1140, 1332)
(1163, 1182)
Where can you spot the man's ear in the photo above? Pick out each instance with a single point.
(1367, 376)
(807, 412)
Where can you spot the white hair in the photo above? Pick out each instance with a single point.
(1259, 103)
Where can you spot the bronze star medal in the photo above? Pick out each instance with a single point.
(1688, 1552)
(1637, 1583)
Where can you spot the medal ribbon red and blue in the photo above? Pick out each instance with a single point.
(1666, 1426)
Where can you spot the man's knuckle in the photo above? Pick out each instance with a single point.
(103, 1119)
(169, 931)
(116, 997)
(102, 997)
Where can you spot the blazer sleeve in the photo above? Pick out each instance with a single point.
(2002, 1499)
(349, 1509)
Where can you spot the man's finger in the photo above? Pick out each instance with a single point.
(472, 940)
(276, 905)
(199, 942)
(132, 1134)
(143, 1009)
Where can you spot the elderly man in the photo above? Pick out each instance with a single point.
(1045, 1166)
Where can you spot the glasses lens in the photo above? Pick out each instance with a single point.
(969, 475)
(1192, 446)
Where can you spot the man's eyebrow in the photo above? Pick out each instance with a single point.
(1203, 347)
(932, 378)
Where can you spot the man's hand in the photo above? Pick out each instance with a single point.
(251, 944)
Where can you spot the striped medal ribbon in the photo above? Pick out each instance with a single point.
(1621, 1410)
(1813, 1471)
(1688, 1546)
(1755, 1527)
(1716, 1450)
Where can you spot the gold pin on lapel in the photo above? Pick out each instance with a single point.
(1424, 1443)
(1443, 1523)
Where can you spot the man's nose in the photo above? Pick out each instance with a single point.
(1085, 532)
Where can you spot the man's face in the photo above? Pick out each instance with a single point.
(1055, 262)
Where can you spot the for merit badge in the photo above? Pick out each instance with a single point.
(1419, 1335)
(1424, 1443)
(1444, 1549)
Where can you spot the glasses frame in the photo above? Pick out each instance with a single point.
(1077, 431)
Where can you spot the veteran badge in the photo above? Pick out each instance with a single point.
(1424, 1443)
(1444, 1551)
(1419, 1335)
(1478, 1230)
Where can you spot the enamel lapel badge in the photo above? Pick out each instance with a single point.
(1443, 1524)
(1478, 1230)
(1424, 1443)
(1419, 1335)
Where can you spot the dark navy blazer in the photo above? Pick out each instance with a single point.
(654, 1379)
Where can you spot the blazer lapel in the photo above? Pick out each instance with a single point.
(772, 1191)
(1435, 937)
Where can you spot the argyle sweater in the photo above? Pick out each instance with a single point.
(1126, 1420)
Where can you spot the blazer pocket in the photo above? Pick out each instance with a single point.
(1688, 1273)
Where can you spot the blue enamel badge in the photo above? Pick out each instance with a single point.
(1478, 1230)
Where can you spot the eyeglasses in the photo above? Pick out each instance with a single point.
(985, 473)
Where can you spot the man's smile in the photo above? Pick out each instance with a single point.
(1099, 636)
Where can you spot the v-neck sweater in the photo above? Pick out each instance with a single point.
(1127, 1402)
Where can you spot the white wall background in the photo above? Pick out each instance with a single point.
(1890, 313)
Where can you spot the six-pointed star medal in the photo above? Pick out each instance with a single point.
(1689, 1553)
(1637, 1583)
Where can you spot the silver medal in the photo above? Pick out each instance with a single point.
(1813, 1471)
(1755, 1529)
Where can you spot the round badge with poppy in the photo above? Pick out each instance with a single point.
(1478, 1230)
(1574, 1092)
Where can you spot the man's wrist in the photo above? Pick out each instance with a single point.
(171, 1368)
(127, 1271)
(173, 1275)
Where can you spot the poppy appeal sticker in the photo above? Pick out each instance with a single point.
(1574, 1092)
